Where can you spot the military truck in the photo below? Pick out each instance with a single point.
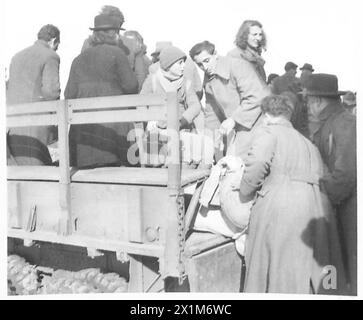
(141, 217)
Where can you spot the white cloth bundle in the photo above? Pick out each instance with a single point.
(221, 210)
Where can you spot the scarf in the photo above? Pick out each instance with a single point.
(168, 82)
(253, 57)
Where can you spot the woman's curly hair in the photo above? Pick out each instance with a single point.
(243, 32)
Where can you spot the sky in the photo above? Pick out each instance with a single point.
(323, 33)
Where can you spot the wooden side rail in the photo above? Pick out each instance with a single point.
(125, 108)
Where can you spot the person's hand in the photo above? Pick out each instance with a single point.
(227, 126)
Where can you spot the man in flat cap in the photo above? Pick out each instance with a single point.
(333, 131)
(306, 70)
(288, 81)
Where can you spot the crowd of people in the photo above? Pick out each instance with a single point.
(296, 137)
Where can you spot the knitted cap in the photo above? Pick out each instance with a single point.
(170, 55)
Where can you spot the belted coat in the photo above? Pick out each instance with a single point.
(292, 233)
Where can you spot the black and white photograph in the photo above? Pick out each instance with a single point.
(189, 148)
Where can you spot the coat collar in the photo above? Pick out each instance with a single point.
(222, 70)
(279, 122)
(42, 43)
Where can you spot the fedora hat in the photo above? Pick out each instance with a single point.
(106, 22)
(323, 85)
(307, 66)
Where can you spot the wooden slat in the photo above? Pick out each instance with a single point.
(136, 275)
(157, 113)
(150, 250)
(31, 120)
(134, 214)
(33, 107)
(65, 219)
(123, 101)
(139, 176)
(173, 158)
(14, 203)
(46, 173)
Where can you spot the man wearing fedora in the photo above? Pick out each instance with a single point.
(34, 76)
(130, 46)
(306, 70)
(333, 131)
(100, 70)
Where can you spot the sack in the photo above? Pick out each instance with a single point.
(231, 216)
(236, 211)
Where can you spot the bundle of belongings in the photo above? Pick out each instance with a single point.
(221, 210)
(195, 147)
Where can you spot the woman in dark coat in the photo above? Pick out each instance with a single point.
(292, 237)
(101, 70)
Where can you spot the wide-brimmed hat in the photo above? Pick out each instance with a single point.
(323, 85)
(307, 66)
(106, 22)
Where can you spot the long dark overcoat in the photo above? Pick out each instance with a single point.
(102, 70)
(335, 137)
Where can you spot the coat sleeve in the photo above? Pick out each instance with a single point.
(141, 70)
(251, 91)
(257, 162)
(193, 104)
(71, 91)
(50, 79)
(340, 182)
(127, 78)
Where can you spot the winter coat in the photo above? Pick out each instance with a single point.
(234, 91)
(188, 102)
(102, 70)
(292, 233)
(139, 63)
(253, 58)
(33, 77)
(335, 137)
